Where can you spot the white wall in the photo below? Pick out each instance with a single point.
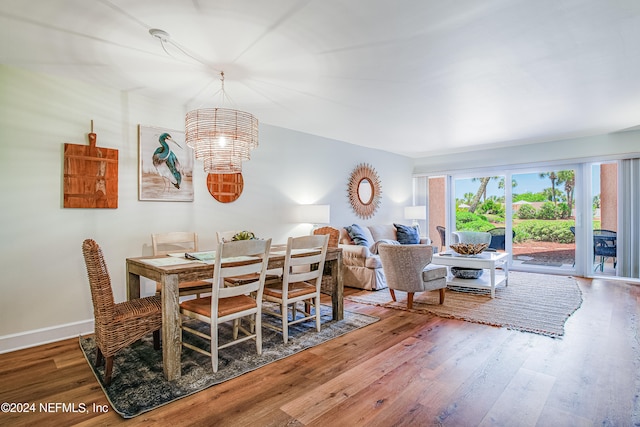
(592, 148)
(44, 294)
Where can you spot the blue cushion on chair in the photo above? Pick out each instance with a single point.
(407, 235)
(358, 235)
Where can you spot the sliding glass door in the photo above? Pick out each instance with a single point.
(532, 218)
(565, 219)
(614, 232)
(480, 206)
(604, 218)
(544, 212)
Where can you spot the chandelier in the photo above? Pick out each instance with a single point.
(221, 137)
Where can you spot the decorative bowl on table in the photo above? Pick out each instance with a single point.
(468, 248)
(466, 273)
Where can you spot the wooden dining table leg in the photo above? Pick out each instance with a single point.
(337, 293)
(171, 332)
(133, 285)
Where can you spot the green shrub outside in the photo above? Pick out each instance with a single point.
(478, 225)
(546, 211)
(469, 221)
(526, 212)
(563, 211)
(491, 207)
(544, 231)
(466, 216)
(533, 229)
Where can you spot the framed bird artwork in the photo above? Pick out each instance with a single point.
(165, 172)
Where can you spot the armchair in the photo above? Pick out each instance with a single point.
(408, 268)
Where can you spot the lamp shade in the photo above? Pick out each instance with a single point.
(415, 212)
(314, 214)
(221, 137)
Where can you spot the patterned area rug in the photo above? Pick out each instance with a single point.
(537, 303)
(138, 384)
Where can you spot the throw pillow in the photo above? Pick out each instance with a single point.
(374, 247)
(407, 235)
(358, 235)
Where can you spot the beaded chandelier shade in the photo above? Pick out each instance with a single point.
(221, 137)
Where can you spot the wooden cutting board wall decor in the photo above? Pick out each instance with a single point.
(90, 175)
(225, 187)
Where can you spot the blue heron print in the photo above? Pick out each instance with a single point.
(166, 162)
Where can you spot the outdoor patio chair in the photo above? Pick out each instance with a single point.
(442, 232)
(604, 246)
(498, 240)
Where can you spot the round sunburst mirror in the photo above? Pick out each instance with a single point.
(364, 191)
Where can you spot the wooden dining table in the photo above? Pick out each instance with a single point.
(177, 270)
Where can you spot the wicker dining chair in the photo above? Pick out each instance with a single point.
(117, 325)
(334, 235)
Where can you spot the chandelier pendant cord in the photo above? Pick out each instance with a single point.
(221, 137)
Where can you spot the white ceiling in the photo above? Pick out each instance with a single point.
(416, 77)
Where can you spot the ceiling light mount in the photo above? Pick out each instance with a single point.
(160, 34)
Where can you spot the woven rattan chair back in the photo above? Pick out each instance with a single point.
(100, 283)
(334, 235)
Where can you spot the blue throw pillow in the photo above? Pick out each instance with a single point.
(357, 235)
(407, 235)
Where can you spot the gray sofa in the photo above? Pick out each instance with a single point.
(361, 265)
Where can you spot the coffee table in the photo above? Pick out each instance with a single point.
(485, 260)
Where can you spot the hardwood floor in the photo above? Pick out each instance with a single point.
(406, 370)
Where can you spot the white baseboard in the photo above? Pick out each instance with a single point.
(37, 337)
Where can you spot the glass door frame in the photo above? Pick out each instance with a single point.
(583, 205)
(580, 255)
